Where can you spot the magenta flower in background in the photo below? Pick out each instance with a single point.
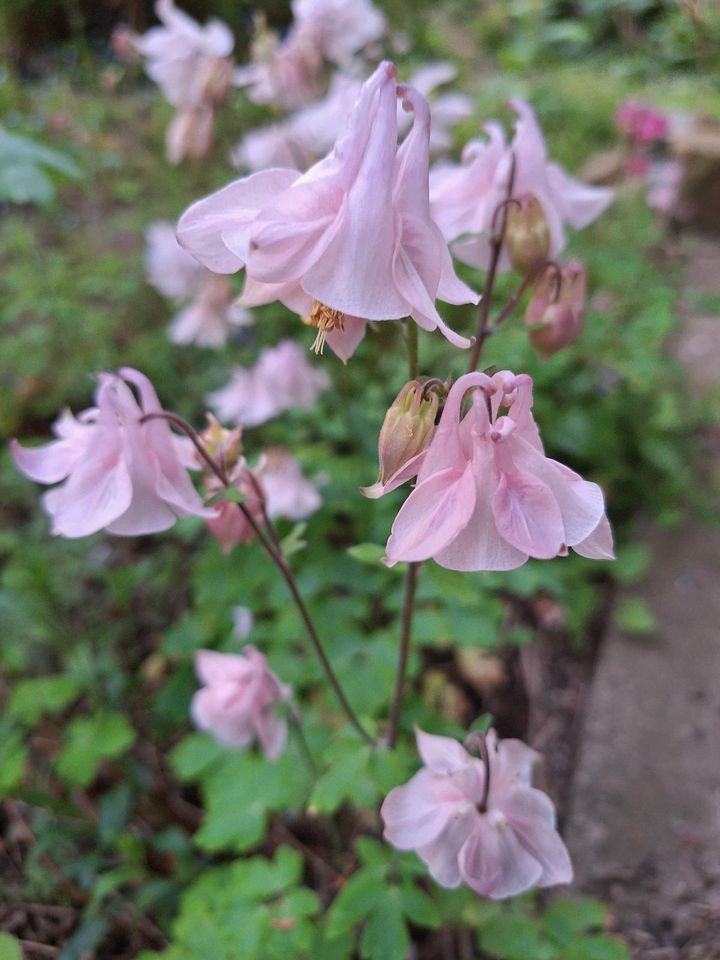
(212, 312)
(288, 494)
(239, 700)
(641, 122)
(114, 472)
(282, 379)
(354, 233)
(464, 198)
(510, 846)
(487, 497)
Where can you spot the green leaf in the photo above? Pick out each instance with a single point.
(419, 908)
(633, 615)
(195, 755)
(357, 899)
(345, 779)
(294, 542)
(385, 935)
(565, 919)
(90, 740)
(512, 938)
(10, 948)
(34, 698)
(13, 757)
(597, 948)
(370, 553)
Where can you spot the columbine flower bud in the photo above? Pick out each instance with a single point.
(404, 436)
(224, 446)
(555, 317)
(527, 234)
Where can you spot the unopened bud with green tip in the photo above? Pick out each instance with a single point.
(404, 437)
(527, 233)
(223, 445)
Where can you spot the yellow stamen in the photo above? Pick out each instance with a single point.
(325, 319)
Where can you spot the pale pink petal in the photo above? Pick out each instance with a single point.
(493, 862)
(49, 463)
(442, 755)
(345, 342)
(599, 544)
(441, 854)
(527, 515)
(432, 516)
(98, 491)
(577, 203)
(212, 667)
(531, 815)
(201, 227)
(412, 814)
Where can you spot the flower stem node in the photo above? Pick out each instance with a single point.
(223, 445)
(527, 233)
(405, 434)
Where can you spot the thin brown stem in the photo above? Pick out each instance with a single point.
(497, 238)
(531, 277)
(411, 578)
(477, 741)
(273, 549)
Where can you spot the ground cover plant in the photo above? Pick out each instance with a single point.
(150, 838)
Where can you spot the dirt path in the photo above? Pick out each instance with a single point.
(644, 824)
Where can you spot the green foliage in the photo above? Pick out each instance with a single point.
(90, 740)
(10, 948)
(27, 169)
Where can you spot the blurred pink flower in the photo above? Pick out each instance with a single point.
(447, 109)
(282, 379)
(239, 700)
(283, 74)
(487, 497)
(354, 233)
(288, 494)
(341, 28)
(177, 275)
(501, 851)
(119, 474)
(641, 122)
(464, 199)
(192, 66)
(230, 526)
(180, 54)
(665, 181)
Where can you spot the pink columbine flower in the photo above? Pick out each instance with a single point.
(192, 66)
(288, 494)
(284, 74)
(500, 840)
(114, 472)
(239, 700)
(354, 233)
(464, 199)
(231, 525)
(282, 379)
(487, 497)
(212, 311)
(341, 27)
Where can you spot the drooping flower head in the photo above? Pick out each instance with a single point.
(464, 199)
(115, 472)
(192, 66)
(497, 836)
(487, 497)
(353, 235)
(556, 309)
(240, 699)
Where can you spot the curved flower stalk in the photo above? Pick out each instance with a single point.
(478, 822)
(212, 312)
(115, 473)
(282, 379)
(487, 497)
(240, 699)
(464, 198)
(354, 234)
(192, 66)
